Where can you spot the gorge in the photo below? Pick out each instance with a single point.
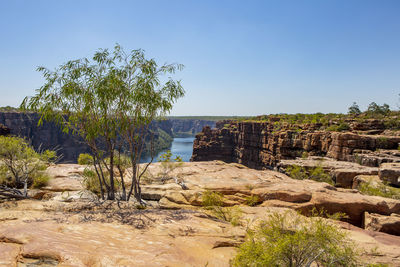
(49, 136)
(64, 221)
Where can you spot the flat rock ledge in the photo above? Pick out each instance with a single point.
(64, 226)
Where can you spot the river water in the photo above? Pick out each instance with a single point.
(182, 147)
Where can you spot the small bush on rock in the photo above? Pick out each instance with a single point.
(214, 201)
(21, 166)
(92, 183)
(304, 155)
(380, 189)
(85, 159)
(290, 239)
(40, 180)
(338, 128)
(297, 172)
(317, 174)
(252, 200)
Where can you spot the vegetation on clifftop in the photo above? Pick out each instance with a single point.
(316, 173)
(330, 122)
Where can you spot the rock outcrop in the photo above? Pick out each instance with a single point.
(343, 173)
(390, 172)
(64, 227)
(381, 223)
(47, 136)
(273, 189)
(260, 145)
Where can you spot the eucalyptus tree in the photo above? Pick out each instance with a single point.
(110, 101)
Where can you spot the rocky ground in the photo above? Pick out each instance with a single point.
(62, 225)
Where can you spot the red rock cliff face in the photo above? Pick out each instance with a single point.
(257, 145)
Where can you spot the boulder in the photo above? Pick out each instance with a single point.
(345, 177)
(372, 179)
(381, 223)
(342, 172)
(390, 172)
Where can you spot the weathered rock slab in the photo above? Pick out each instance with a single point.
(390, 172)
(381, 223)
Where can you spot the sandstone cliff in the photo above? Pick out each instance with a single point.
(261, 145)
(49, 136)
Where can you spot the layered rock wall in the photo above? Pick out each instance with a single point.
(258, 145)
(47, 136)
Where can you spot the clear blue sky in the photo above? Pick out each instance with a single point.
(240, 57)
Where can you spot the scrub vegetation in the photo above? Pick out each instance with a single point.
(289, 239)
(21, 167)
(214, 203)
(315, 173)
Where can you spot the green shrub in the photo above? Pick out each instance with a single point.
(296, 172)
(214, 201)
(85, 159)
(162, 140)
(40, 180)
(321, 212)
(21, 165)
(290, 239)
(91, 181)
(211, 199)
(358, 159)
(382, 142)
(304, 155)
(343, 127)
(392, 123)
(317, 174)
(338, 127)
(380, 189)
(252, 200)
